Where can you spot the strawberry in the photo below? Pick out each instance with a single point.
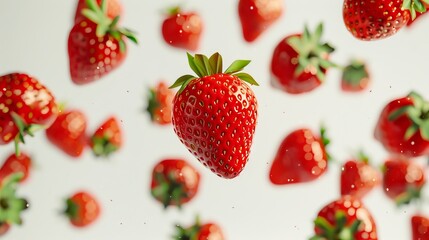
(301, 157)
(402, 180)
(16, 164)
(418, 15)
(174, 182)
(199, 231)
(107, 138)
(403, 126)
(419, 227)
(300, 61)
(96, 45)
(379, 19)
(258, 15)
(160, 103)
(68, 132)
(355, 77)
(358, 177)
(82, 209)
(214, 114)
(345, 218)
(114, 9)
(182, 29)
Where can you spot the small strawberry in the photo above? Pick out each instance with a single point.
(214, 114)
(199, 231)
(419, 227)
(182, 29)
(82, 209)
(107, 138)
(358, 177)
(96, 45)
(160, 103)
(355, 77)
(16, 164)
(256, 16)
(402, 180)
(68, 132)
(301, 157)
(300, 61)
(114, 9)
(174, 182)
(403, 126)
(345, 219)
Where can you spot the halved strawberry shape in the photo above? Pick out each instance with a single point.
(107, 139)
(160, 103)
(214, 114)
(199, 231)
(355, 76)
(96, 45)
(300, 61)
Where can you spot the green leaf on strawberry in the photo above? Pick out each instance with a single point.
(11, 206)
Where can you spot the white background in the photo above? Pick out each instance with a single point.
(34, 40)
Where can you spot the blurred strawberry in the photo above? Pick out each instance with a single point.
(114, 9)
(419, 227)
(160, 103)
(355, 77)
(16, 164)
(82, 209)
(107, 139)
(199, 231)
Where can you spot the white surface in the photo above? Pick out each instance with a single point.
(33, 40)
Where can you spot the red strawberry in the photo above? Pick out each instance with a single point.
(258, 15)
(174, 182)
(355, 77)
(358, 177)
(300, 61)
(199, 231)
(403, 126)
(182, 29)
(301, 157)
(68, 132)
(419, 227)
(160, 103)
(345, 218)
(107, 139)
(82, 209)
(16, 164)
(114, 9)
(214, 114)
(402, 180)
(96, 45)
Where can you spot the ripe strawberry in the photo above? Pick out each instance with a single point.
(300, 61)
(214, 114)
(358, 177)
(402, 180)
(82, 209)
(16, 164)
(114, 9)
(182, 29)
(345, 218)
(355, 77)
(174, 182)
(258, 15)
(160, 103)
(96, 45)
(107, 138)
(68, 132)
(199, 231)
(403, 126)
(419, 227)
(301, 157)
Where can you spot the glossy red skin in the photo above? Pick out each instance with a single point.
(164, 97)
(210, 231)
(68, 132)
(256, 16)
(401, 174)
(111, 130)
(355, 210)
(301, 157)
(90, 57)
(88, 209)
(358, 178)
(15, 164)
(114, 8)
(8, 129)
(283, 70)
(367, 20)
(183, 30)
(391, 133)
(215, 118)
(184, 173)
(419, 227)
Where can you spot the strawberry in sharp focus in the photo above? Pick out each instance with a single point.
(182, 29)
(160, 103)
(214, 114)
(114, 9)
(107, 139)
(419, 227)
(355, 76)
(301, 157)
(16, 164)
(256, 16)
(96, 45)
(345, 219)
(300, 61)
(174, 182)
(403, 126)
(82, 209)
(199, 231)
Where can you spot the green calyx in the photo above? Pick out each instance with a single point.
(71, 210)
(169, 190)
(189, 233)
(153, 103)
(204, 66)
(106, 25)
(338, 232)
(102, 146)
(355, 72)
(414, 6)
(11, 206)
(173, 10)
(418, 113)
(325, 141)
(411, 194)
(312, 54)
(362, 157)
(23, 129)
